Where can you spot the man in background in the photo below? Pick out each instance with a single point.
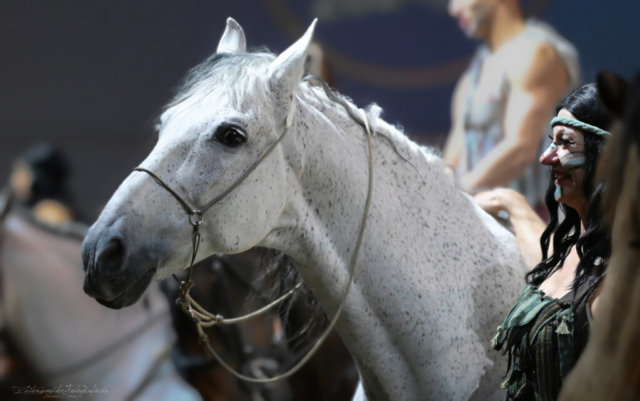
(504, 101)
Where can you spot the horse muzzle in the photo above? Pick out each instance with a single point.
(114, 277)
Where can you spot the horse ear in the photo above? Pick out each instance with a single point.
(613, 91)
(233, 40)
(285, 72)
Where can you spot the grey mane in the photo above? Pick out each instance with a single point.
(346, 103)
(247, 70)
(241, 69)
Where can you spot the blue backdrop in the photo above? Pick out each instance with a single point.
(92, 76)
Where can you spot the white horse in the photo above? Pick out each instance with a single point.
(81, 348)
(436, 275)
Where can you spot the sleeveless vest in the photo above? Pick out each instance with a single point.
(484, 113)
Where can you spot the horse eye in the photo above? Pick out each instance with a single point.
(230, 137)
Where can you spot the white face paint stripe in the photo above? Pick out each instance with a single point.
(558, 192)
(573, 159)
(572, 163)
(551, 148)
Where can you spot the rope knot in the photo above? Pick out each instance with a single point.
(203, 339)
(184, 305)
(217, 319)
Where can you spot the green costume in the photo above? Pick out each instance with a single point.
(544, 338)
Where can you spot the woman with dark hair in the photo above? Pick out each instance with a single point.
(547, 329)
(39, 182)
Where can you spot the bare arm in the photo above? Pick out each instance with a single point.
(538, 80)
(454, 148)
(526, 222)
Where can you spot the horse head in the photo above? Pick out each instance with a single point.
(621, 98)
(230, 110)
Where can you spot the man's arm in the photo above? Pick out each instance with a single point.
(455, 141)
(538, 80)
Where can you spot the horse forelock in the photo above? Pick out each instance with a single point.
(236, 80)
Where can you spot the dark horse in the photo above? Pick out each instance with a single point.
(234, 285)
(609, 369)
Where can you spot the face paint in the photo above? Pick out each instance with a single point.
(558, 192)
(550, 148)
(573, 160)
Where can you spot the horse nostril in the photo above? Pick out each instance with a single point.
(111, 257)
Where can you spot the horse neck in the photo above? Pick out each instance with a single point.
(320, 225)
(416, 275)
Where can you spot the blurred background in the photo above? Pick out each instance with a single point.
(91, 77)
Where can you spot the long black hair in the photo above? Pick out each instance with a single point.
(50, 174)
(594, 246)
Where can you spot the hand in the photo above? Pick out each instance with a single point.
(526, 223)
(494, 201)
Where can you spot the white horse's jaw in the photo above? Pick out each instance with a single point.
(163, 272)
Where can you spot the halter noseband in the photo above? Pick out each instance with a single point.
(201, 316)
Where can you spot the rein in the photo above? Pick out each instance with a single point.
(202, 317)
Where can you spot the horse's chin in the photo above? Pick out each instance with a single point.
(163, 272)
(130, 295)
